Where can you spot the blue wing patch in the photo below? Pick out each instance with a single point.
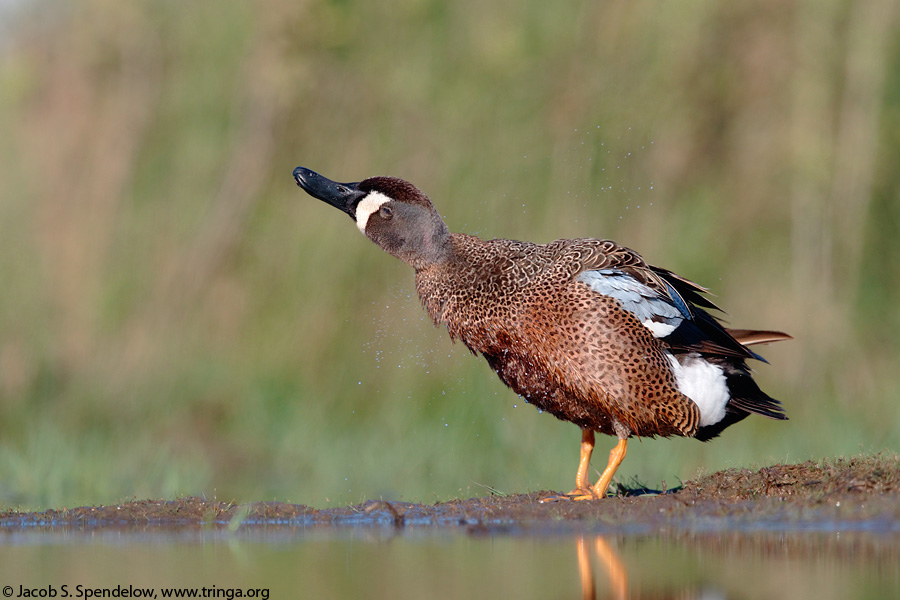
(658, 313)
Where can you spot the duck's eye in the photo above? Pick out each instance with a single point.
(385, 212)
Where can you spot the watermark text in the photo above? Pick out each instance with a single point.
(130, 591)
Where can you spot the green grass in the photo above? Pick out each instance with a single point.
(177, 318)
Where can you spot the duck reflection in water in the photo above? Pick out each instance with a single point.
(617, 575)
(615, 568)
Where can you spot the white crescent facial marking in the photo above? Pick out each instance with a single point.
(371, 203)
(702, 382)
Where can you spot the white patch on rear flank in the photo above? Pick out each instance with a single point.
(368, 205)
(658, 329)
(702, 382)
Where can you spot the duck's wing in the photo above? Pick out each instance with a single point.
(672, 307)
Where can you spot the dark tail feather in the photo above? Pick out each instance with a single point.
(748, 337)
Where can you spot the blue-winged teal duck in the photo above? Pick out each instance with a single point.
(583, 329)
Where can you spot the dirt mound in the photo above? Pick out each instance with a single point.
(861, 492)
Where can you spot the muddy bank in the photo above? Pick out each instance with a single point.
(836, 494)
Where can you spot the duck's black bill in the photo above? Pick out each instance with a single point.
(344, 196)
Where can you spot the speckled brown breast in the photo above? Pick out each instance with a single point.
(565, 348)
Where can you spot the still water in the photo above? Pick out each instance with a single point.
(279, 563)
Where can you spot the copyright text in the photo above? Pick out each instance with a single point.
(130, 591)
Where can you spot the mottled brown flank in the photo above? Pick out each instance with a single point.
(566, 349)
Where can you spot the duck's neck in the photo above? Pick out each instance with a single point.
(435, 247)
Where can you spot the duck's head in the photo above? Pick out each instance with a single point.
(391, 212)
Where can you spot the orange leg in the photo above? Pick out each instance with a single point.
(582, 483)
(616, 456)
(583, 489)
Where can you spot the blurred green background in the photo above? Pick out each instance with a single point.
(176, 317)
